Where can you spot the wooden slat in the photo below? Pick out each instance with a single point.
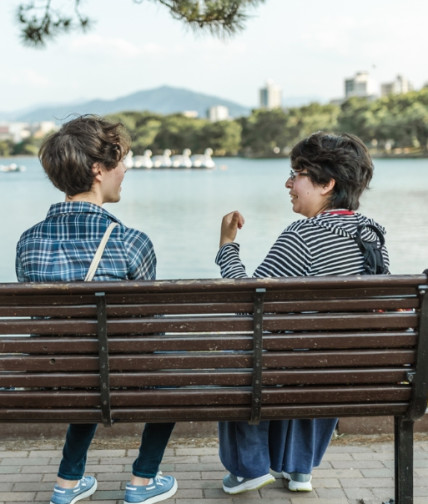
(127, 310)
(227, 377)
(209, 414)
(227, 341)
(307, 286)
(198, 360)
(290, 322)
(343, 358)
(48, 326)
(226, 396)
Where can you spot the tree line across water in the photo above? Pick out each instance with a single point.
(392, 125)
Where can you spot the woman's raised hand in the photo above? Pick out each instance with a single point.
(229, 227)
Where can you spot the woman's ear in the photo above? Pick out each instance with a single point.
(327, 188)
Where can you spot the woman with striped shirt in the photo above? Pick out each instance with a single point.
(329, 174)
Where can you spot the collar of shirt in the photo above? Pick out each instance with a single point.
(69, 207)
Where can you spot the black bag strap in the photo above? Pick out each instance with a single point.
(372, 251)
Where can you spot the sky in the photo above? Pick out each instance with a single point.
(307, 47)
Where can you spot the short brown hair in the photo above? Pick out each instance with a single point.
(343, 158)
(68, 155)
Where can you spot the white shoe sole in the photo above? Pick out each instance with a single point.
(83, 495)
(298, 486)
(157, 498)
(253, 484)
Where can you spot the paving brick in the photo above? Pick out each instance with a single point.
(330, 493)
(357, 464)
(29, 461)
(17, 496)
(366, 482)
(359, 494)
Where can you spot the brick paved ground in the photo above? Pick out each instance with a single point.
(354, 471)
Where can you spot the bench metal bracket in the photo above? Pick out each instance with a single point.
(103, 358)
(257, 357)
(419, 382)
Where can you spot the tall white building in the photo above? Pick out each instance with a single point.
(360, 85)
(399, 86)
(218, 113)
(270, 96)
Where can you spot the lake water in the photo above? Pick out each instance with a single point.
(181, 211)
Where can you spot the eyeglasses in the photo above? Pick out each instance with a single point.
(293, 174)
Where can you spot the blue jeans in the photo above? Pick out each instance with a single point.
(154, 439)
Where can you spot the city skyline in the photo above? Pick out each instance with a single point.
(308, 50)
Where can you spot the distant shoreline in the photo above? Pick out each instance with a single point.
(374, 155)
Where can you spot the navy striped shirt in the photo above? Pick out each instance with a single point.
(61, 247)
(320, 245)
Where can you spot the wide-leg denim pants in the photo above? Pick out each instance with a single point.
(282, 445)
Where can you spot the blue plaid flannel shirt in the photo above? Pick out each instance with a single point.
(61, 247)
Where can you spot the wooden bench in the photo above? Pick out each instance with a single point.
(212, 350)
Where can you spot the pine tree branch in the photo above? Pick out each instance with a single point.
(41, 23)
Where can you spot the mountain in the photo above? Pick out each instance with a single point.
(163, 100)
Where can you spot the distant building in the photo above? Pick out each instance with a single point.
(41, 129)
(15, 131)
(19, 131)
(360, 85)
(270, 96)
(192, 114)
(218, 113)
(399, 86)
(4, 132)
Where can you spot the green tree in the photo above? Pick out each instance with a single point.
(28, 147)
(177, 133)
(6, 148)
(43, 20)
(263, 133)
(356, 116)
(223, 137)
(303, 121)
(142, 126)
(415, 119)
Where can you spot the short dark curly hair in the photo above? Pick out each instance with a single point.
(69, 154)
(343, 158)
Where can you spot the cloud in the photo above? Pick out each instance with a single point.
(119, 47)
(95, 44)
(27, 77)
(227, 46)
(320, 37)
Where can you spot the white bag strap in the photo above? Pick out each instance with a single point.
(98, 254)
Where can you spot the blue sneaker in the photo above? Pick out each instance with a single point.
(237, 484)
(159, 489)
(86, 487)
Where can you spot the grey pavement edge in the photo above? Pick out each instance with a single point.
(355, 470)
